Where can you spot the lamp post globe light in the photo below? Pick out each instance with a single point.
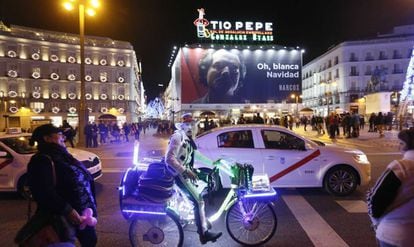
(88, 7)
(296, 98)
(173, 100)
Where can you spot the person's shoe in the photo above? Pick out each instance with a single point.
(209, 236)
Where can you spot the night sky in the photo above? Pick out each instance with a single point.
(155, 26)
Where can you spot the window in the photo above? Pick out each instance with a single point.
(20, 144)
(369, 57)
(274, 139)
(382, 55)
(396, 54)
(336, 60)
(235, 139)
(352, 57)
(368, 71)
(397, 69)
(354, 71)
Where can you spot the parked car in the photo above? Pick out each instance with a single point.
(15, 154)
(289, 160)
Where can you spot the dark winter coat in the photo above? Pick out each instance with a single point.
(74, 184)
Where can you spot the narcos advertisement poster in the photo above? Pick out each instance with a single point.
(239, 76)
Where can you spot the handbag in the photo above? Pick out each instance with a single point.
(45, 228)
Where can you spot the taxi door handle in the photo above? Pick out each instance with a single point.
(270, 157)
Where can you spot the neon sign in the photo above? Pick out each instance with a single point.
(233, 30)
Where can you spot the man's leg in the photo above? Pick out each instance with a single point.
(195, 198)
(199, 209)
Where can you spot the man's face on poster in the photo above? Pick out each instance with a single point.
(224, 73)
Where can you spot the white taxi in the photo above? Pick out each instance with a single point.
(289, 160)
(15, 154)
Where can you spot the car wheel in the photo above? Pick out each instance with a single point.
(341, 181)
(23, 187)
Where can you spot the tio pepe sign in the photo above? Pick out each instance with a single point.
(233, 31)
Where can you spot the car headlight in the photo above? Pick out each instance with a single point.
(361, 158)
(358, 156)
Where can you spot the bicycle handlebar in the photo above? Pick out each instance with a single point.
(225, 166)
(240, 174)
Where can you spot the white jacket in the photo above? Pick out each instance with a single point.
(180, 151)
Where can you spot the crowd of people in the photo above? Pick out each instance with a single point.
(349, 122)
(110, 132)
(114, 133)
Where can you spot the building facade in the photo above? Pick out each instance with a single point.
(341, 78)
(40, 78)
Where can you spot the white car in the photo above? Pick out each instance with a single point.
(15, 154)
(289, 160)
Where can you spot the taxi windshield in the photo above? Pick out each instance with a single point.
(20, 144)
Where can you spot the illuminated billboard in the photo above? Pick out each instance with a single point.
(234, 31)
(239, 76)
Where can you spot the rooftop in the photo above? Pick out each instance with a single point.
(68, 38)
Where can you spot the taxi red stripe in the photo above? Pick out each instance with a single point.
(5, 163)
(295, 166)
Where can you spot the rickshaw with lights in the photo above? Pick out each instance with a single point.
(249, 205)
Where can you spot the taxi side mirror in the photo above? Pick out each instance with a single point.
(302, 146)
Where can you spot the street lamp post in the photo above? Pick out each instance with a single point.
(2, 101)
(173, 116)
(83, 111)
(173, 107)
(296, 97)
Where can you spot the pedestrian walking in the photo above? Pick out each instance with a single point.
(391, 200)
(103, 132)
(61, 185)
(333, 125)
(379, 124)
(135, 128)
(69, 132)
(304, 122)
(88, 134)
(355, 124)
(95, 131)
(371, 120)
(127, 130)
